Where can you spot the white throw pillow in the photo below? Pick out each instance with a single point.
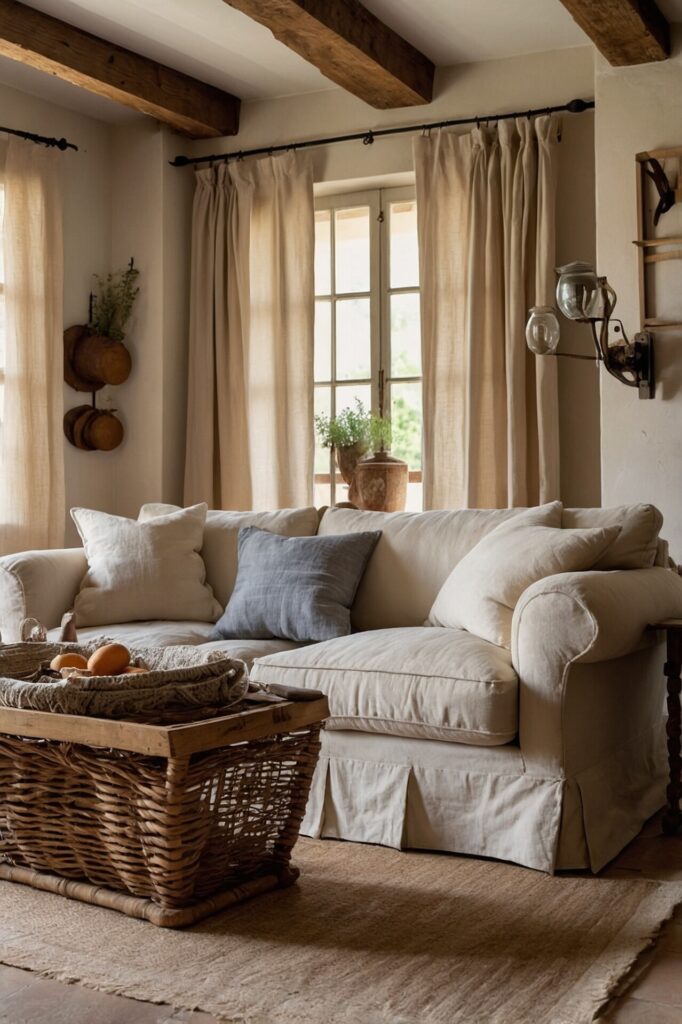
(221, 535)
(481, 592)
(143, 571)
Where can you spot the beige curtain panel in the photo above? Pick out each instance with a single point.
(487, 252)
(250, 440)
(31, 437)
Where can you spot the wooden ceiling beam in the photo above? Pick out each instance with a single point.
(624, 31)
(350, 46)
(48, 44)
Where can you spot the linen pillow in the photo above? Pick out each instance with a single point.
(143, 571)
(481, 592)
(294, 588)
(222, 531)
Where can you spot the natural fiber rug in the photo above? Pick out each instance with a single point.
(369, 936)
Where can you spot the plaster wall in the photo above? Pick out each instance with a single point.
(640, 108)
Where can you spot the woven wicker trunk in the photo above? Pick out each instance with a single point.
(167, 823)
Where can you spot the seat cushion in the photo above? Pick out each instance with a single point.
(425, 682)
(166, 634)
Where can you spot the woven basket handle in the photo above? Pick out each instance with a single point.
(33, 631)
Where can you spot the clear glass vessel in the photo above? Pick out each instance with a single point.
(542, 330)
(577, 291)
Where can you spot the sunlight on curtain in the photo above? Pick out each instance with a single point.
(250, 419)
(486, 238)
(31, 442)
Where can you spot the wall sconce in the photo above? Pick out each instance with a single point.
(588, 299)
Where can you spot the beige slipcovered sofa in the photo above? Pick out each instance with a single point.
(550, 754)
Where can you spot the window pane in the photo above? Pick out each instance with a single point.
(415, 496)
(322, 488)
(323, 339)
(352, 249)
(406, 355)
(353, 342)
(323, 252)
(406, 423)
(346, 395)
(404, 253)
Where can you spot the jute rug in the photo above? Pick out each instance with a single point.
(369, 936)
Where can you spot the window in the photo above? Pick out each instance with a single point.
(2, 305)
(367, 321)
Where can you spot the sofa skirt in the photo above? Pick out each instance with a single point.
(429, 795)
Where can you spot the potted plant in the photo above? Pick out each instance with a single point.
(94, 353)
(348, 434)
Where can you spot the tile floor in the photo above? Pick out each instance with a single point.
(651, 995)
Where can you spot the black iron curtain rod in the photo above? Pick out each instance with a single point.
(42, 140)
(368, 137)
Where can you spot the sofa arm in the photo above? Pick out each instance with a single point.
(572, 619)
(39, 584)
(597, 615)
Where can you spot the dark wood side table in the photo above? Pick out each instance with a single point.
(672, 817)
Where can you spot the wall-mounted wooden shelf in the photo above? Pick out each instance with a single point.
(652, 250)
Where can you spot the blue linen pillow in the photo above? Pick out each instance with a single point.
(294, 588)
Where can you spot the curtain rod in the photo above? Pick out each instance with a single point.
(574, 107)
(42, 140)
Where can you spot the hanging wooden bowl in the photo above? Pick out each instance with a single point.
(104, 432)
(93, 429)
(91, 361)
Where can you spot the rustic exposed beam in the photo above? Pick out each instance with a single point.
(625, 31)
(48, 44)
(350, 46)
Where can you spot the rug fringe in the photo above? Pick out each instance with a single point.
(638, 935)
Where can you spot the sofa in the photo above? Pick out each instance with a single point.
(550, 755)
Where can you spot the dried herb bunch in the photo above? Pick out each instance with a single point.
(113, 302)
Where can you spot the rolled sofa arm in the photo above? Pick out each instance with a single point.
(39, 584)
(596, 616)
(578, 618)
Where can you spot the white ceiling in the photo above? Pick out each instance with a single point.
(217, 44)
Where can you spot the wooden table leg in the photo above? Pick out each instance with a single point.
(672, 817)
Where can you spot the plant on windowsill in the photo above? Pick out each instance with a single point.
(348, 435)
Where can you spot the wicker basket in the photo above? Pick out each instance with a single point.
(184, 833)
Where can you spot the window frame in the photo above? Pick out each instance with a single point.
(379, 202)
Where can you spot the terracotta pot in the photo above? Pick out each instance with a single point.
(346, 460)
(381, 483)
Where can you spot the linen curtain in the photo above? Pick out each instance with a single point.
(487, 253)
(31, 437)
(250, 441)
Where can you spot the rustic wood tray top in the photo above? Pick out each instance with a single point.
(166, 740)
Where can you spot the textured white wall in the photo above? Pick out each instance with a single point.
(638, 109)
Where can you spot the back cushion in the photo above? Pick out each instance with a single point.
(415, 554)
(637, 543)
(220, 537)
(418, 550)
